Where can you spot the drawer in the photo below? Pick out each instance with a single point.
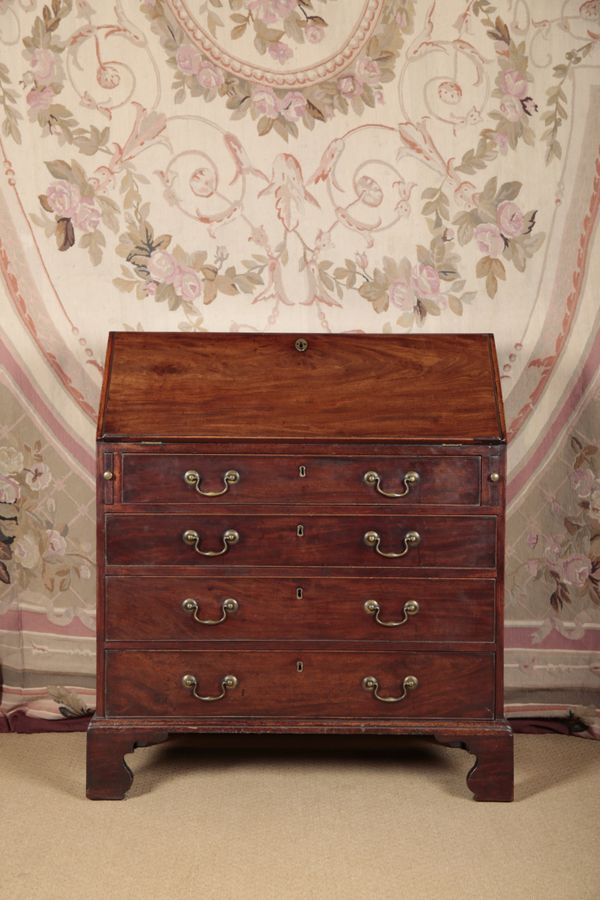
(160, 478)
(299, 683)
(303, 540)
(142, 608)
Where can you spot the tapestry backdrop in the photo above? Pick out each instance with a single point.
(303, 165)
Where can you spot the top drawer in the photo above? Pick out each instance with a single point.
(238, 478)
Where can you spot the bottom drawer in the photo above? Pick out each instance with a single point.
(301, 683)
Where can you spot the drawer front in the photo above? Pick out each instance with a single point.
(302, 540)
(142, 608)
(160, 478)
(300, 683)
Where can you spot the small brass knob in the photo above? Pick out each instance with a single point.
(301, 345)
(108, 476)
(495, 477)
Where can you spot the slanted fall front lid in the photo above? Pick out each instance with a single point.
(174, 386)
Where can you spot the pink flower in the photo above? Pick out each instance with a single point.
(367, 70)
(502, 141)
(162, 267)
(187, 284)
(208, 76)
(402, 295)
(582, 481)
(489, 240)
(283, 8)
(38, 477)
(349, 86)
(511, 108)
(26, 551)
(86, 216)
(466, 196)
(510, 219)
(10, 490)
(45, 66)
(266, 102)
(512, 82)
(369, 191)
(271, 10)
(11, 461)
(280, 51)
(425, 281)
(150, 288)
(56, 544)
(63, 198)
(188, 58)
(293, 106)
(261, 9)
(575, 570)
(40, 99)
(532, 540)
(314, 33)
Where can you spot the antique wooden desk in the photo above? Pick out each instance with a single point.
(300, 534)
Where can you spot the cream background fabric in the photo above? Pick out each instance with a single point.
(302, 165)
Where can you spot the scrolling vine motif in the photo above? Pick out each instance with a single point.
(274, 202)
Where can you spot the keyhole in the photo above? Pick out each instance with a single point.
(299, 666)
(300, 530)
(299, 593)
(302, 471)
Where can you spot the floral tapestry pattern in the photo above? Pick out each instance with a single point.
(301, 165)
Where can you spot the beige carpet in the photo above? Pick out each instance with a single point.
(289, 818)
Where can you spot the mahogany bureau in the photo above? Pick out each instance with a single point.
(300, 534)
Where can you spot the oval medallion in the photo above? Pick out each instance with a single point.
(280, 43)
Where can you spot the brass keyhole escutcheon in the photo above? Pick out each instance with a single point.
(301, 345)
(300, 530)
(299, 666)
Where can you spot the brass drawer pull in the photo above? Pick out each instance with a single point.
(411, 608)
(410, 480)
(228, 606)
(192, 538)
(370, 683)
(194, 478)
(373, 539)
(228, 683)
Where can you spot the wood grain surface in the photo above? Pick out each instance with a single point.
(299, 609)
(148, 682)
(343, 387)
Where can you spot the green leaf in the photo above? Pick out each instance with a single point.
(264, 125)
(65, 235)
(60, 170)
(483, 266)
(508, 191)
(314, 111)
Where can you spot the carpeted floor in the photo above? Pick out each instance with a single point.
(294, 819)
